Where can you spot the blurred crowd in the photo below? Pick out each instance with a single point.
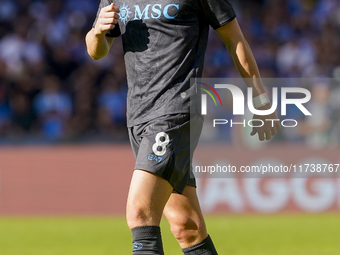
(51, 90)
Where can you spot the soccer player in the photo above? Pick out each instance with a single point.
(164, 43)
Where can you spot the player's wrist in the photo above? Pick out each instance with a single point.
(99, 33)
(261, 101)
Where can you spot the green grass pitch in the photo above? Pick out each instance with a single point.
(233, 235)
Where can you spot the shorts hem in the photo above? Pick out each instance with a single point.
(178, 188)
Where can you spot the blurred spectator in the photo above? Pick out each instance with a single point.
(317, 128)
(294, 56)
(23, 116)
(53, 108)
(112, 106)
(17, 51)
(5, 112)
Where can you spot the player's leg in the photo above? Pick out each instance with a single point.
(162, 151)
(147, 197)
(187, 223)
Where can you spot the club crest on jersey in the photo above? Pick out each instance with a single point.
(155, 11)
(152, 157)
(124, 13)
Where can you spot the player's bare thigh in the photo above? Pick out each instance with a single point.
(147, 197)
(185, 217)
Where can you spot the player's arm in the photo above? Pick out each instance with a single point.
(98, 45)
(245, 63)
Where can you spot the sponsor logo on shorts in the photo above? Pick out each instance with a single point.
(152, 157)
(137, 246)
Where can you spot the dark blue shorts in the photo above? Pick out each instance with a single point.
(165, 146)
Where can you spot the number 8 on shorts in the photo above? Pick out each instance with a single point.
(162, 140)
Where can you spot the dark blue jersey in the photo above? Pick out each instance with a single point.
(164, 43)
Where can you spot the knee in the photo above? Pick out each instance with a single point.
(137, 216)
(186, 229)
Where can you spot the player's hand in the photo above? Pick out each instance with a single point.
(269, 129)
(107, 19)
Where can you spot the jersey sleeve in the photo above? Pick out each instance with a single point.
(115, 32)
(216, 12)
